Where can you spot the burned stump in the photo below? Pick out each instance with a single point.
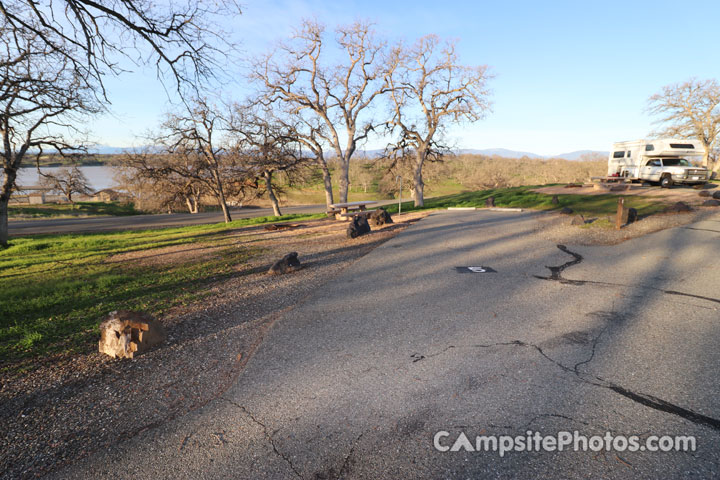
(380, 217)
(289, 263)
(358, 226)
(679, 207)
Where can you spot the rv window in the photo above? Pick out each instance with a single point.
(618, 154)
(688, 146)
(629, 152)
(654, 163)
(649, 148)
(675, 162)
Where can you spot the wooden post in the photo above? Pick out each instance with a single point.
(619, 216)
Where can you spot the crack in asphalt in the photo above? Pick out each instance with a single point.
(649, 401)
(349, 455)
(269, 437)
(637, 397)
(664, 406)
(596, 340)
(556, 275)
(556, 272)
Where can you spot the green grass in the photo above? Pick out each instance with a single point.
(69, 210)
(55, 289)
(523, 197)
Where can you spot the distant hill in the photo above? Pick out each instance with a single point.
(108, 150)
(504, 152)
(578, 154)
(501, 152)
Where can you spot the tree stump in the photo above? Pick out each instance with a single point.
(124, 333)
(289, 263)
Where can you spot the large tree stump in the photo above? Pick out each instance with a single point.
(379, 217)
(358, 226)
(124, 333)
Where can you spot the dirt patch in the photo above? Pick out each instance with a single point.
(669, 195)
(70, 406)
(176, 254)
(557, 228)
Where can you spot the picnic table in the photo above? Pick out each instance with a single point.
(342, 211)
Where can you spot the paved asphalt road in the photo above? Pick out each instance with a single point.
(103, 224)
(356, 381)
(134, 222)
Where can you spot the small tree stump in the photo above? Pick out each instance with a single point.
(289, 263)
(124, 333)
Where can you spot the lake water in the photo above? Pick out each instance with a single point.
(100, 177)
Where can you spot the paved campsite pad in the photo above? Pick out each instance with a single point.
(355, 382)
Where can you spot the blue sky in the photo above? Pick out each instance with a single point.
(569, 75)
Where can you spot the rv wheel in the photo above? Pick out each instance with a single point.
(666, 181)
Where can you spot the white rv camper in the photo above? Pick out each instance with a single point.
(666, 161)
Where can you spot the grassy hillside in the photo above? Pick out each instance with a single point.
(524, 197)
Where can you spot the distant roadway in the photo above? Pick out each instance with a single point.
(135, 222)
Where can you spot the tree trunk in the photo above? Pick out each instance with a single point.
(271, 193)
(225, 210)
(327, 181)
(188, 202)
(221, 196)
(706, 158)
(418, 185)
(344, 180)
(10, 174)
(4, 221)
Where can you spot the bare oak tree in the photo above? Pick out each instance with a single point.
(42, 99)
(66, 181)
(194, 135)
(164, 179)
(339, 96)
(690, 110)
(266, 146)
(182, 39)
(310, 131)
(55, 54)
(429, 90)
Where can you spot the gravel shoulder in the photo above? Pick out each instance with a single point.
(69, 407)
(669, 195)
(557, 228)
